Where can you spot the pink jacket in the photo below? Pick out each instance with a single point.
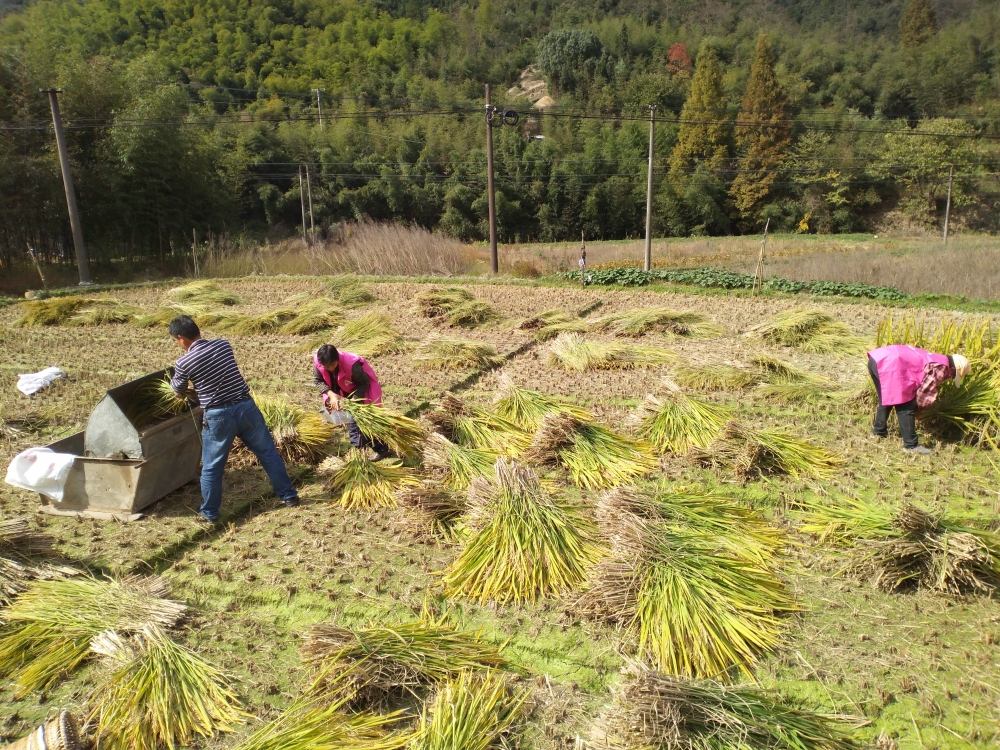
(344, 381)
(901, 370)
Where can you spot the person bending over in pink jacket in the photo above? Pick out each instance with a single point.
(907, 379)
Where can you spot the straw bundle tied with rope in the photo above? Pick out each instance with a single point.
(351, 292)
(472, 314)
(445, 353)
(595, 456)
(157, 693)
(357, 482)
(48, 628)
(404, 436)
(456, 465)
(690, 579)
(202, 314)
(642, 320)
(811, 331)
(572, 352)
(676, 423)
(749, 453)
(471, 711)
(299, 435)
(103, 311)
(475, 427)
(438, 510)
(204, 292)
(909, 546)
(438, 302)
(371, 335)
(527, 409)
(525, 543)
(376, 663)
(653, 710)
(550, 323)
(49, 312)
(60, 733)
(714, 377)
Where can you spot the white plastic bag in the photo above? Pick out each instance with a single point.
(335, 417)
(32, 382)
(41, 470)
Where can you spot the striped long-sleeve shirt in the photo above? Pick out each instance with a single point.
(211, 368)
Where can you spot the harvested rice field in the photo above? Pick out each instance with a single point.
(666, 525)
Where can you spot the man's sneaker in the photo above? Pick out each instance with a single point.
(919, 450)
(879, 436)
(206, 521)
(379, 455)
(293, 503)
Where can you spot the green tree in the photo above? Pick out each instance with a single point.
(762, 135)
(917, 24)
(704, 135)
(569, 57)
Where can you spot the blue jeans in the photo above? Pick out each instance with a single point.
(220, 428)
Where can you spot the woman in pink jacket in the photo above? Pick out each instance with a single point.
(907, 379)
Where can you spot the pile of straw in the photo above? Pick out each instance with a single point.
(404, 436)
(691, 580)
(527, 408)
(643, 320)
(573, 352)
(714, 377)
(350, 292)
(676, 423)
(201, 314)
(247, 324)
(155, 401)
(910, 547)
(205, 292)
(525, 543)
(17, 570)
(371, 335)
(360, 483)
(478, 428)
(53, 311)
(438, 510)
(550, 323)
(472, 314)
(437, 302)
(317, 314)
(456, 465)
(443, 353)
(811, 331)
(103, 311)
(653, 710)
(158, 693)
(299, 435)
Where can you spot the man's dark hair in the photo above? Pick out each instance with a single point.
(184, 326)
(327, 354)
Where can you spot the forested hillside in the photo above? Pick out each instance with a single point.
(822, 116)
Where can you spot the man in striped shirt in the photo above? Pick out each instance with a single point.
(230, 413)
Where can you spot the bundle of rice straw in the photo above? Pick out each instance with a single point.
(378, 662)
(714, 377)
(643, 320)
(908, 546)
(371, 335)
(155, 401)
(200, 313)
(438, 509)
(527, 408)
(550, 323)
(456, 465)
(157, 693)
(247, 324)
(811, 331)
(653, 710)
(749, 452)
(572, 352)
(48, 629)
(690, 579)
(319, 720)
(478, 428)
(299, 435)
(471, 711)
(17, 570)
(437, 302)
(360, 483)
(525, 543)
(205, 292)
(103, 311)
(404, 436)
(49, 312)
(595, 456)
(444, 353)
(59, 733)
(676, 423)
(317, 314)
(472, 314)
(350, 292)
(974, 337)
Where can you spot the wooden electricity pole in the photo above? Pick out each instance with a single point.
(309, 189)
(947, 206)
(302, 203)
(319, 106)
(74, 215)
(648, 262)
(494, 260)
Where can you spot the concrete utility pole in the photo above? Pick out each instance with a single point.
(302, 202)
(74, 215)
(319, 106)
(309, 190)
(494, 260)
(648, 262)
(947, 206)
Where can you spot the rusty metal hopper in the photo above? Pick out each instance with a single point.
(122, 468)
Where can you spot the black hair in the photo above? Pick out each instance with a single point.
(184, 326)
(327, 354)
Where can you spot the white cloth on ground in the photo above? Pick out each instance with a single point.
(32, 382)
(41, 470)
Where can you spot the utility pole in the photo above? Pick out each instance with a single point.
(648, 262)
(947, 207)
(309, 190)
(74, 215)
(494, 260)
(319, 106)
(194, 252)
(302, 202)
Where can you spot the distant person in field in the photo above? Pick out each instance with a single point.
(230, 412)
(907, 379)
(340, 375)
